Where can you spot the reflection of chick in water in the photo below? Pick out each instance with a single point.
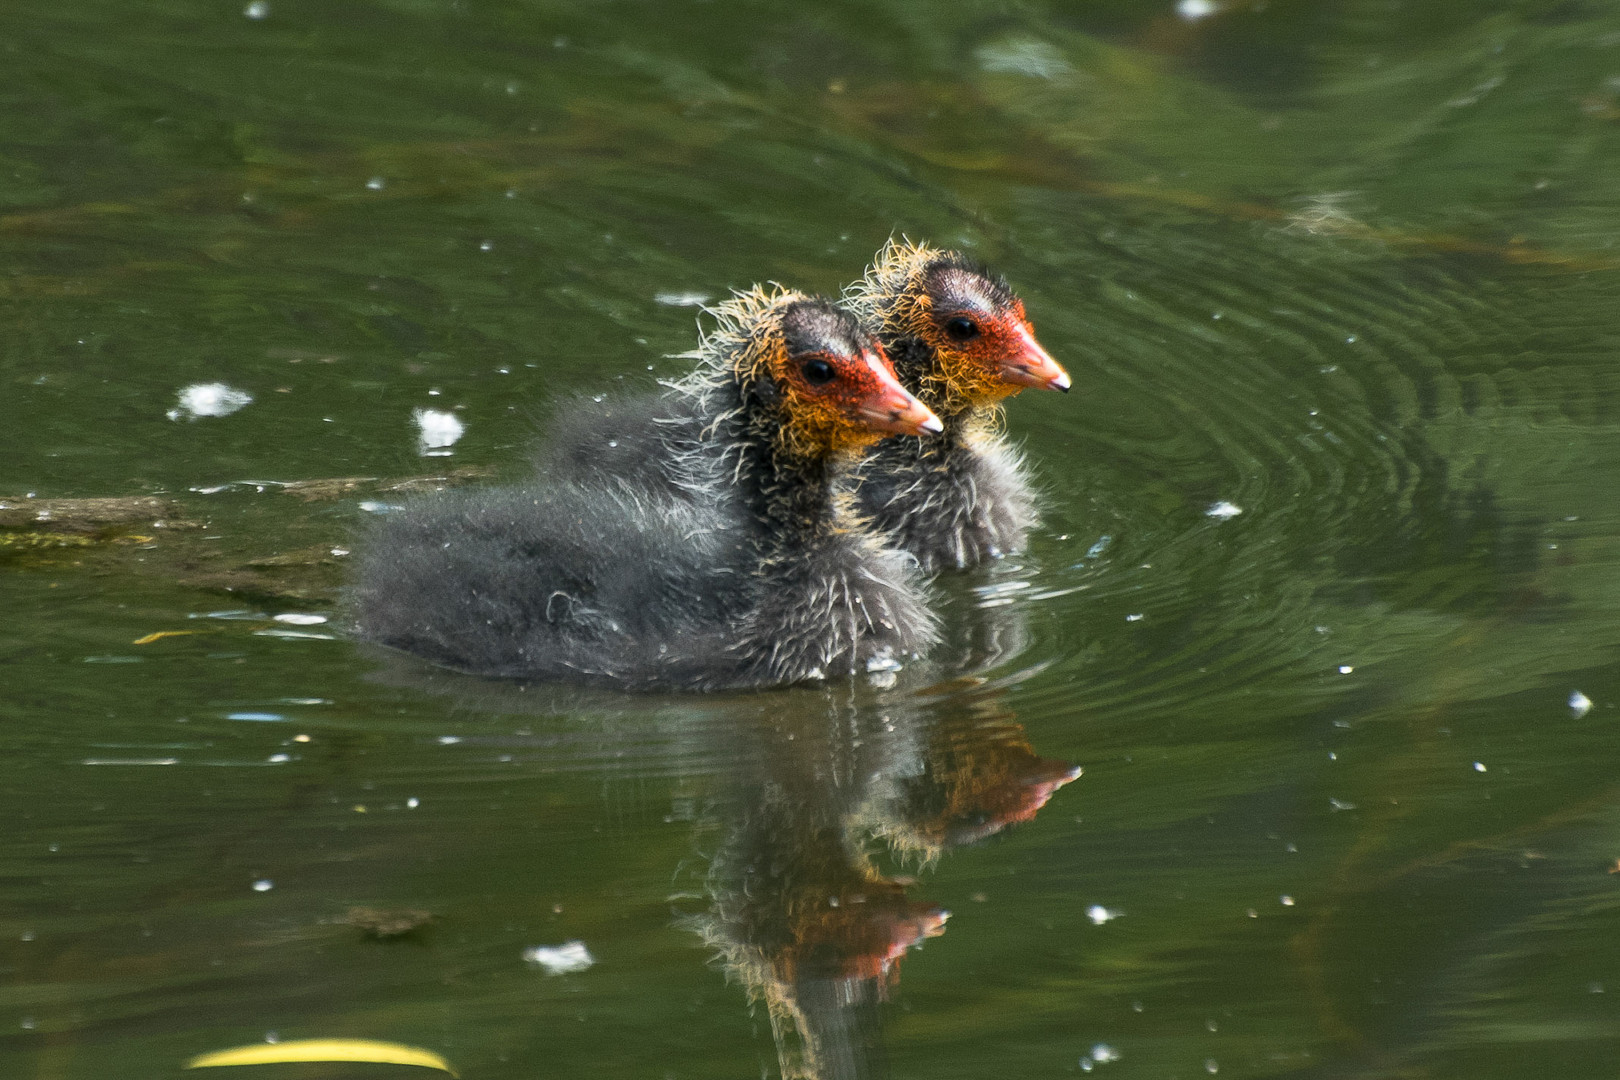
(797, 913)
(800, 915)
(816, 909)
(976, 775)
(800, 782)
(813, 931)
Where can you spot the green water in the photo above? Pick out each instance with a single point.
(1349, 267)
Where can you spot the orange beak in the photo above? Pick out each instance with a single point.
(890, 409)
(1032, 365)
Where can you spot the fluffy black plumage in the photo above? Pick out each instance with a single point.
(955, 500)
(734, 563)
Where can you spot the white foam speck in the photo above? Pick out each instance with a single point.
(564, 959)
(1099, 914)
(437, 431)
(1193, 10)
(682, 299)
(298, 618)
(256, 10)
(263, 885)
(1223, 510)
(209, 399)
(1579, 704)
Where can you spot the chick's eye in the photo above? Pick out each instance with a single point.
(961, 328)
(817, 372)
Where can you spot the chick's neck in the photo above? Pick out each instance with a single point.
(789, 489)
(917, 366)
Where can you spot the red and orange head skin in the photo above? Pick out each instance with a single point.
(983, 342)
(835, 390)
(959, 334)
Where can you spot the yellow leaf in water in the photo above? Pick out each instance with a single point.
(384, 1053)
(160, 635)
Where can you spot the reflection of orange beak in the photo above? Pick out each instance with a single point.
(890, 409)
(1042, 790)
(1033, 365)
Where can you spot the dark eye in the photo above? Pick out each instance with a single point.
(961, 328)
(817, 372)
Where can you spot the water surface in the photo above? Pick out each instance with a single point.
(1326, 606)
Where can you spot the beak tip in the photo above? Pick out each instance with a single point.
(932, 425)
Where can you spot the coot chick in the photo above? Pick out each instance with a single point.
(961, 342)
(748, 568)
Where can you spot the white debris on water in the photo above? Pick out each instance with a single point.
(299, 618)
(1223, 511)
(209, 399)
(437, 432)
(1099, 914)
(1579, 704)
(1193, 10)
(257, 10)
(263, 885)
(1101, 1054)
(564, 959)
(682, 299)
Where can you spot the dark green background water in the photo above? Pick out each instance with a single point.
(1350, 266)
